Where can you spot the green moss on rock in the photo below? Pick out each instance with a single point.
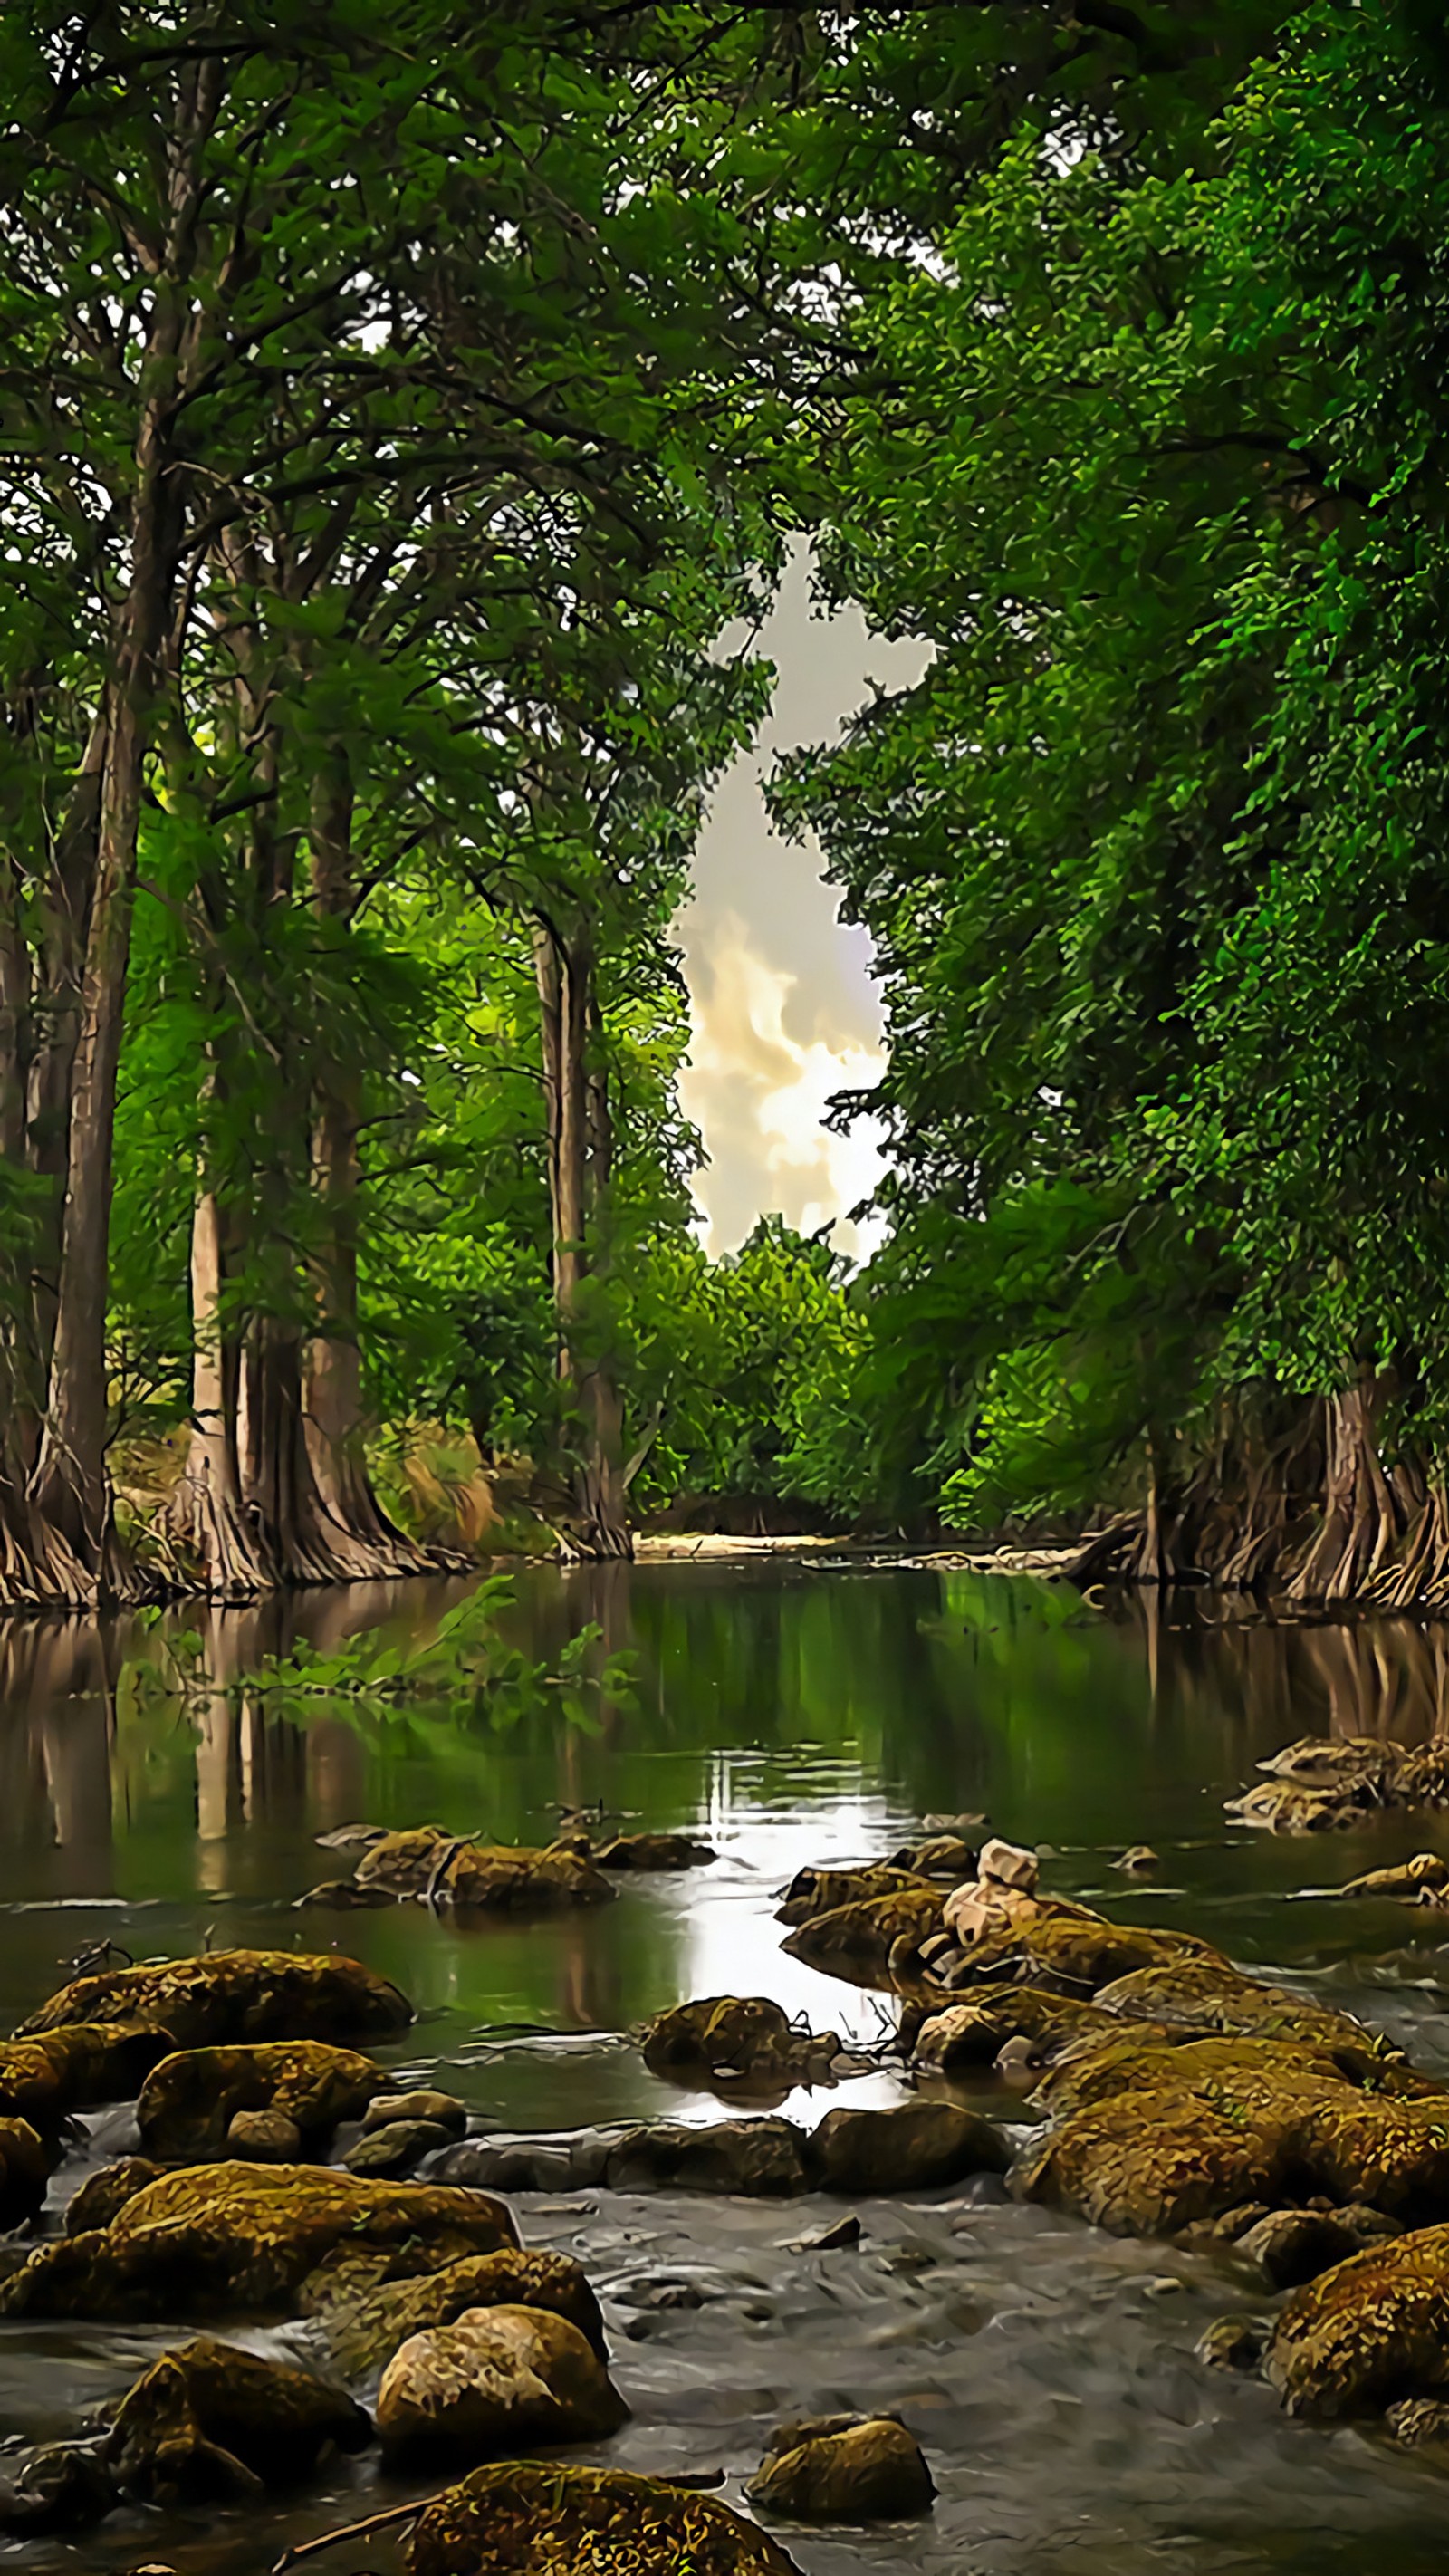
(230, 1996)
(536, 2519)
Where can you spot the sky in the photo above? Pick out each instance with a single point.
(783, 1006)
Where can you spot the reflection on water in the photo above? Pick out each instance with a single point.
(791, 1712)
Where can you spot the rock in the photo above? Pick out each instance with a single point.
(344, 1896)
(1207, 1994)
(1371, 2332)
(356, 1837)
(1364, 1767)
(740, 2034)
(402, 1864)
(654, 1851)
(1426, 1872)
(856, 1941)
(975, 2033)
(263, 2138)
(234, 1996)
(1418, 2421)
(756, 2159)
(526, 2518)
(397, 2149)
(1046, 1941)
(63, 2486)
(233, 2239)
(1294, 2245)
(367, 2329)
(940, 1856)
(530, 2164)
(214, 2421)
(26, 2165)
(43, 2079)
(189, 2104)
(844, 2468)
(494, 2380)
(1281, 1807)
(424, 2104)
(522, 1881)
(846, 2232)
(812, 1892)
(1138, 1862)
(102, 2194)
(1162, 2136)
(917, 2147)
(1009, 1865)
(1232, 2343)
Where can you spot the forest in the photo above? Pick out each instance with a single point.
(406, 414)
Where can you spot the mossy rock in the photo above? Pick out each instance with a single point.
(844, 2468)
(655, 1852)
(44, 2078)
(402, 1864)
(855, 1941)
(974, 2033)
(213, 2421)
(1403, 1878)
(242, 2239)
(1365, 2336)
(538, 2519)
(27, 2162)
(502, 1878)
(1087, 1951)
(1284, 1807)
(1176, 2135)
(492, 2382)
(746, 2034)
(365, 2327)
(824, 1891)
(231, 1996)
(189, 2101)
(939, 1856)
(104, 2193)
(1366, 1765)
(1209, 1994)
(916, 2146)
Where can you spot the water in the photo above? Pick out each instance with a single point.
(791, 1712)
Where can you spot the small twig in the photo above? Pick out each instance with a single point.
(350, 2531)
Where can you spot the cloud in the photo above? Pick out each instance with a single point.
(760, 1095)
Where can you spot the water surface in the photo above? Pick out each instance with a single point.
(790, 1712)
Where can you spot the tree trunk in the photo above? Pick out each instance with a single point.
(580, 1172)
(1360, 1524)
(207, 1515)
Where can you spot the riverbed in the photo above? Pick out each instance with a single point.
(789, 1710)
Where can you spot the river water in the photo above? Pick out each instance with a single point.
(791, 1711)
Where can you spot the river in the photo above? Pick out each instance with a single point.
(791, 1710)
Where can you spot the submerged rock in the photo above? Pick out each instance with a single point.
(1139, 1862)
(526, 2518)
(654, 1851)
(1370, 2333)
(1232, 2343)
(453, 1870)
(844, 2468)
(423, 2104)
(189, 2102)
(917, 2146)
(495, 2380)
(741, 2035)
(364, 2324)
(1282, 1807)
(214, 2421)
(233, 2239)
(230, 1996)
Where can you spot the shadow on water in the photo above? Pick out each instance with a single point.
(791, 1711)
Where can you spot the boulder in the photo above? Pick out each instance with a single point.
(62, 2486)
(1365, 1768)
(856, 1941)
(654, 1851)
(740, 2035)
(530, 2164)
(263, 2138)
(1282, 1807)
(1417, 2422)
(482, 1880)
(1369, 2334)
(527, 2518)
(494, 2381)
(918, 2146)
(939, 1856)
(844, 2468)
(1009, 1865)
(975, 2033)
(424, 2104)
(824, 1891)
(1164, 2136)
(366, 2329)
(26, 2165)
(102, 2194)
(1046, 1940)
(1291, 2246)
(231, 1996)
(234, 2239)
(190, 2101)
(1205, 1993)
(399, 2148)
(212, 2421)
(400, 1864)
(757, 2159)
(45, 2078)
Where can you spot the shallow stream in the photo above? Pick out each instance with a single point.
(791, 1711)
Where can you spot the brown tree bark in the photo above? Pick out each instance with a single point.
(207, 1514)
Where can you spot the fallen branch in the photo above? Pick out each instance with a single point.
(351, 2531)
